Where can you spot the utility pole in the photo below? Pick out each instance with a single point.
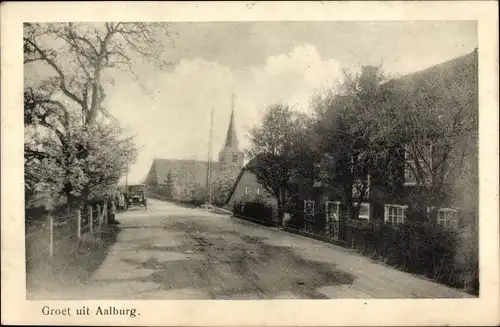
(209, 167)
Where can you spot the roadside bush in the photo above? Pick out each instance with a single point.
(467, 259)
(447, 255)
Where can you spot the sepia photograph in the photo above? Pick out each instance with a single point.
(223, 161)
(198, 166)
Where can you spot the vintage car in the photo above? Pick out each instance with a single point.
(136, 196)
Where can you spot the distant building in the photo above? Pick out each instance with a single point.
(188, 173)
(230, 156)
(247, 189)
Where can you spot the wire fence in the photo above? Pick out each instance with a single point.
(44, 238)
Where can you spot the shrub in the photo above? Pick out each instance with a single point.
(446, 255)
(467, 259)
(296, 219)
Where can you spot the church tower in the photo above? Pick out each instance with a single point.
(230, 157)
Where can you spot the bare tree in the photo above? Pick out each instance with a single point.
(79, 54)
(433, 119)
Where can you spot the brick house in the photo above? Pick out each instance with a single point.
(393, 199)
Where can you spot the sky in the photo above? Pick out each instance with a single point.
(262, 63)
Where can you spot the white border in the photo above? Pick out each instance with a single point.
(484, 310)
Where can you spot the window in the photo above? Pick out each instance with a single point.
(258, 191)
(333, 210)
(395, 214)
(246, 190)
(423, 159)
(235, 158)
(447, 217)
(309, 207)
(364, 211)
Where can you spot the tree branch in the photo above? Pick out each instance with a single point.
(62, 82)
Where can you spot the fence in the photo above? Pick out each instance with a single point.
(44, 238)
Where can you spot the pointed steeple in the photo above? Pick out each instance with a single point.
(230, 156)
(231, 138)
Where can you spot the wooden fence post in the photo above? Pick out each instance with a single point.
(78, 223)
(51, 233)
(91, 222)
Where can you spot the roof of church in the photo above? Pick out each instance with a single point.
(196, 169)
(231, 137)
(181, 168)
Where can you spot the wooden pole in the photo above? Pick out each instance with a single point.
(105, 213)
(99, 214)
(51, 233)
(91, 222)
(78, 223)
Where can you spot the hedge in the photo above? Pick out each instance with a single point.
(447, 255)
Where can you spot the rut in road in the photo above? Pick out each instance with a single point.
(225, 264)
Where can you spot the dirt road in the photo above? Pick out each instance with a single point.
(173, 252)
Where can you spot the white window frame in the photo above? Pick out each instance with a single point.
(449, 219)
(363, 204)
(337, 211)
(258, 190)
(246, 190)
(400, 215)
(411, 163)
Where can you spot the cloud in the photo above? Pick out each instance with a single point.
(294, 76)
(174, 121)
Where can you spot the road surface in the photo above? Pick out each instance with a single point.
(173, 252)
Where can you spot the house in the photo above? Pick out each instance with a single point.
(393, 196)
(449, 87)
(248, 189)
(186, 174)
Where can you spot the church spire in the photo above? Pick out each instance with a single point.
(231, 138)
(230, 156)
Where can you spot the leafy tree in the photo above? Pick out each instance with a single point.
(188, 187)
(222, 185)
(78, 162)
(345, 135)
(168, 189)
(79, 152)
(279, 150)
